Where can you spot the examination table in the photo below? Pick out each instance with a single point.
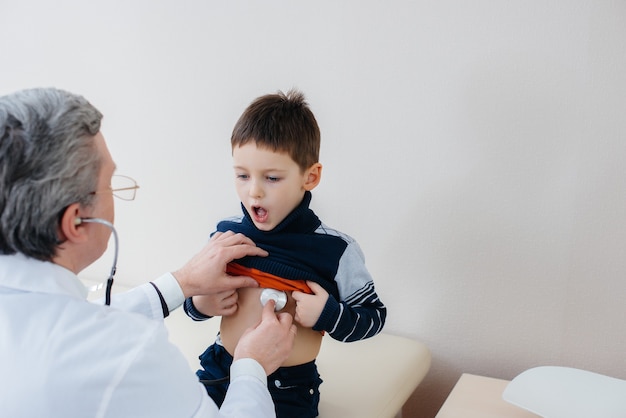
(364, 379)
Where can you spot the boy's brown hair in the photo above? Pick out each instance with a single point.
(280, 122)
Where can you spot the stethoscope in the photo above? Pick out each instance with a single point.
(109, 281)
(279, 297)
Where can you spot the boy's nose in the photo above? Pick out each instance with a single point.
(255, 190)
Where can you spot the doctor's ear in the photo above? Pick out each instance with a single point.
(70, 222)
(313, 176)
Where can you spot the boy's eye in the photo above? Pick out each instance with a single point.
(242, 176)
(273, 179)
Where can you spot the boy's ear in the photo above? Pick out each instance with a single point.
(313, 176)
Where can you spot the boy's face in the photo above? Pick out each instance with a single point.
(269, 184)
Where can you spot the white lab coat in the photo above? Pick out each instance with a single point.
(62, 356)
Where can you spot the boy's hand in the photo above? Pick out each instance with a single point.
(217, 304)
(309, 307)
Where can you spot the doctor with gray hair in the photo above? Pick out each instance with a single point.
(63, 356)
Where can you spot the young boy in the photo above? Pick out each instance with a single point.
(319, 272)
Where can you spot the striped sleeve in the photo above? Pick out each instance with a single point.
(348, 322)
(360, 313)
(192, 312)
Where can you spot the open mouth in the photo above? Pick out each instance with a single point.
(259, 214)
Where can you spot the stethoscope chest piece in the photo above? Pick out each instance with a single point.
(278, 296)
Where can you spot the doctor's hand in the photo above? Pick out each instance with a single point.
(205, 273)
(309, 307)
(270, 342)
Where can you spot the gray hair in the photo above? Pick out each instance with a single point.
(48, 161)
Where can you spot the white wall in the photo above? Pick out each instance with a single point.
(475, 149)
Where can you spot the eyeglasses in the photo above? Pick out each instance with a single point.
(122, 187)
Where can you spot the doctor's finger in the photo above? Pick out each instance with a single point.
(235, 282)
(236, 251)
(230, 238)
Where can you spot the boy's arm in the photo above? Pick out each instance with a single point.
(359, 317)
(202, 307)
(193, 312)
(359, 313)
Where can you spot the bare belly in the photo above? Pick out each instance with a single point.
(307, 344)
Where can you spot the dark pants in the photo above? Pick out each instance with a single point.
(294, 390)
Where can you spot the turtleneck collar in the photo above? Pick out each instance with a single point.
(300, 219)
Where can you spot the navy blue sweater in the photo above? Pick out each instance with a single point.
(301, 247)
